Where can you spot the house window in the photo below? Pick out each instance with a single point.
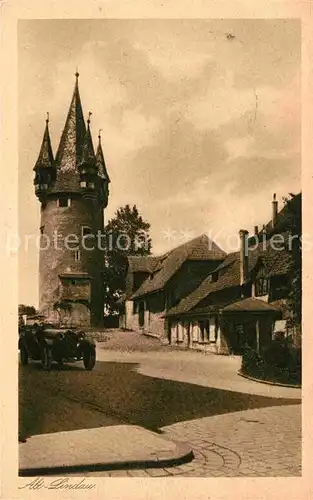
(64, 201)
(77, 255)
(213, 330)
(261, 287)
(91, 185)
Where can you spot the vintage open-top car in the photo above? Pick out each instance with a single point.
(48, 343)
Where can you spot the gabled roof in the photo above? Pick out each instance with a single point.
(45, 158)
(200, 248)
(277, 259)
(229, 278)
(100, 163)
(138, 264)
(70, 148)
(276, 263)
(250, 304)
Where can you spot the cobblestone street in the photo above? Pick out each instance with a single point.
(263, 442)
(235, 427)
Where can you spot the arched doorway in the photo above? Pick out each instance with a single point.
(141, 314)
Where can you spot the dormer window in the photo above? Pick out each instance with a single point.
(91, 185)
(83, 184)
(214, 277)
(64, 201)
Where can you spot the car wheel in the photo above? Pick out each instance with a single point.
(23, 355)
(46, 359)
(89, 357)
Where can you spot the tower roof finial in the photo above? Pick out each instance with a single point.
(89, 115)
(76, 74)
(99, 134)
(47, 119)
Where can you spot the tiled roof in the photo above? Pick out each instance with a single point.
(250, 304)
(142, 263)
(72, 139)
(229, 278)
(201, 248)
(70, 149)
(276, 262)
(45, 158)
(279, 264)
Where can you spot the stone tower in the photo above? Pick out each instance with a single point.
(73, 192)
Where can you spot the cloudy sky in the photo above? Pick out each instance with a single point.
(200, 119)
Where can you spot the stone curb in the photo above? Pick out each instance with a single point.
(268, 382)
(183, 454)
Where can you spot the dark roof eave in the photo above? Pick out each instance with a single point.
(251, 311)
(144, 294)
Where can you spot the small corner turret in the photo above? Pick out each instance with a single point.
(103, 176)
(87, 166)
(45, 169)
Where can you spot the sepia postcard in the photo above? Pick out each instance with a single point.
(157, 249)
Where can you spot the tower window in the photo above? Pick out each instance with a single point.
(77, 255)
(41, 229)
(64, 201)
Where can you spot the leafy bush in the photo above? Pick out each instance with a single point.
(278, 362)
(252, 363)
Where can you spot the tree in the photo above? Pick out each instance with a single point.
(293, 206)
(126, 234)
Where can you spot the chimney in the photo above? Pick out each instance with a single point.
(256, 230)
(274, 210)
(244, 258)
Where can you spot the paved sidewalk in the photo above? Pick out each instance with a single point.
(115, 447)
(264, 442)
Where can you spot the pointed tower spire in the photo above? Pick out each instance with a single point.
(88, 152)
(100, 163)
(45, 157)
(71, 144)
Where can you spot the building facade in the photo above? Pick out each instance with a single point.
(73, 191)
(244, 301)
(159, 283)
(211, 301)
